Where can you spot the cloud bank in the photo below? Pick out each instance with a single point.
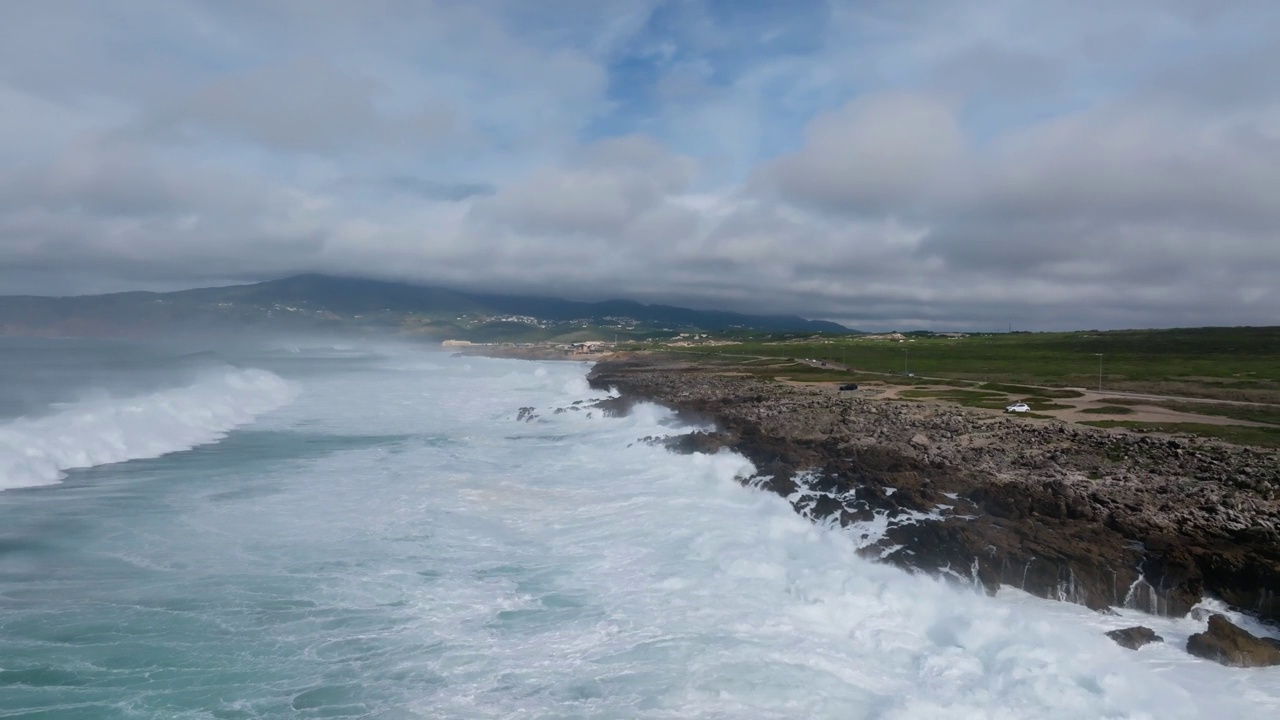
(1051, 164)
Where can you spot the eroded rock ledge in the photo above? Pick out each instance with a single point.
(1096, 517)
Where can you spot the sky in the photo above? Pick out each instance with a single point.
(1040, 164)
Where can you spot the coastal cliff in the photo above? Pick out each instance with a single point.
(1096, 517)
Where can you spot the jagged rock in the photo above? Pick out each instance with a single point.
(694, 442)
(1200, 614)
(526, 414)
(1226, 643)
(1134, 637)
(1060, 511)
(615, 406)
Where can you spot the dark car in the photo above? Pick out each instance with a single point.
(849, 386)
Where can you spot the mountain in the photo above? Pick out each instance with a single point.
(321, 302)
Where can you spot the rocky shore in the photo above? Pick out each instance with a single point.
(1096, 517)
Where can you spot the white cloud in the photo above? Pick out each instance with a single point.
(875, 154)
(1052, 164)
(599, 193)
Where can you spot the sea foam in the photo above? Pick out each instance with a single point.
(424, 554)
(39, 451)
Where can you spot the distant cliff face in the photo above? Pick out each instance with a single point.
(317, 302)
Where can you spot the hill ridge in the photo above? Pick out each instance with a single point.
(323, 301)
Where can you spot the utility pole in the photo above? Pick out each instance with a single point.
(1099, 371)
(906, 355)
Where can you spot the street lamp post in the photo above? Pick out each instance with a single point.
(1099, 371)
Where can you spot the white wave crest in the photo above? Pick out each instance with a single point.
(39, 451)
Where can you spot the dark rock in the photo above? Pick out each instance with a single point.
(1134, 637)
(695, 442)
(615, 406)
(1226, 643)
(1060, 511)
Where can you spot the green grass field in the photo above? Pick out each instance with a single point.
(982, 398)
(1269, 414)
(1268, 437)
(1041, 369)
(1241, 364)
(1109, 410)
(967, 398)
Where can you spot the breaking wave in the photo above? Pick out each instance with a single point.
(39, 451)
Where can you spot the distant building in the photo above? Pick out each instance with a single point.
(456, 343)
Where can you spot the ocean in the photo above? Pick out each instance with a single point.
(313, 529)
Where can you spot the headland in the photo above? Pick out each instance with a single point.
(1100, 517)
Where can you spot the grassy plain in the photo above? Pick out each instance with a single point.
(1268, 437)
(1252, 413)
(1049, 371)
(1108, 410)
(1236, 364)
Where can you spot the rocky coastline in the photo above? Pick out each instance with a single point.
(1096, 517)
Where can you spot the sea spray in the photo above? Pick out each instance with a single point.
(39, 451)
(410, 550)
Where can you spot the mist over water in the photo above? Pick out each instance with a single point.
(334, 531)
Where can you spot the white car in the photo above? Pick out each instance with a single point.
(1018, 407)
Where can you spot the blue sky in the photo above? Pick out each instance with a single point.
(884, 164)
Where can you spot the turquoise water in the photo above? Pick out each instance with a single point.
(370, 533)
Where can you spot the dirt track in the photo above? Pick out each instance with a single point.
(1091, 399)
(1076, 412)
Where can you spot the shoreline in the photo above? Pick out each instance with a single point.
(1096, 517)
